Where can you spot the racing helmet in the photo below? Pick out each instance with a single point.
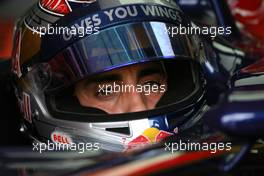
(58, 44)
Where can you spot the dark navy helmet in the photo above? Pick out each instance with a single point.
(60, 44)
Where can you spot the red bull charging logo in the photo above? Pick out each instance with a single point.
(149, 136)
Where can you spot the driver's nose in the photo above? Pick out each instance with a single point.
(135, 102)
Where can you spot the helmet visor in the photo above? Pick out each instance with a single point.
(116, 47)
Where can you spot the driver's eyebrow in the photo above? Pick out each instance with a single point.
(150, 71)
(104, 78)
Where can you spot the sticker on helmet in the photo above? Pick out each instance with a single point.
(149, 136)
(26, 107)
(61, 138)
(60, 7)
(161, 135)
(37, 18)
(95, 22)
(16, 55)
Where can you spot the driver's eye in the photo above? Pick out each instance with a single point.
(152, 83)
(152, 87)
(105, 91)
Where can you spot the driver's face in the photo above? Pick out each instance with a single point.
(96, 92)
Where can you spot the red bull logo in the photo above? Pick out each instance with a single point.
(60, 7)
(149, 136)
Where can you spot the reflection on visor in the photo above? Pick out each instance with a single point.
(116, 47)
